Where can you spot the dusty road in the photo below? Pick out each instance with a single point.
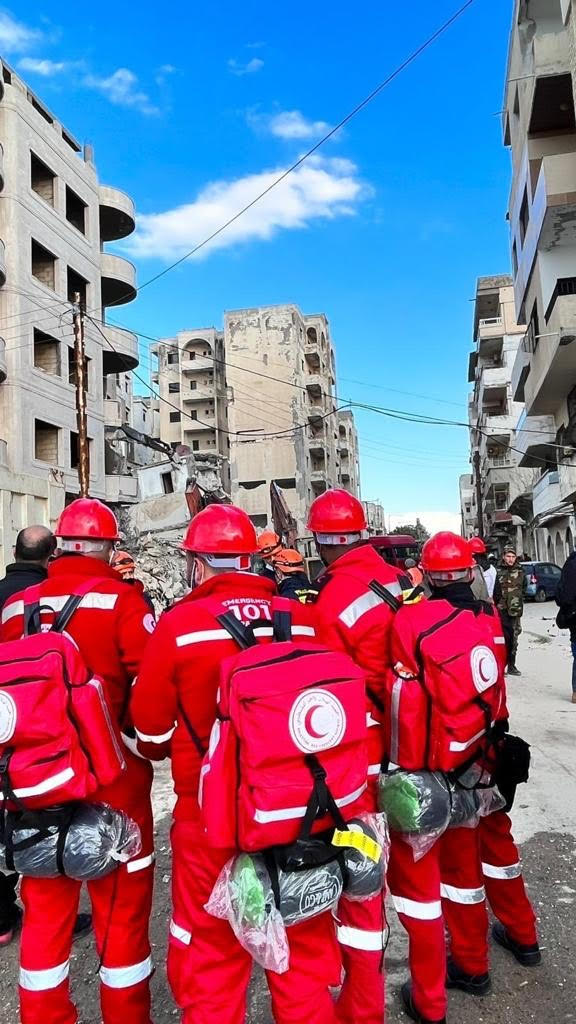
(545, 824)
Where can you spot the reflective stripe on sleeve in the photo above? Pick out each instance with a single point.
(162, 737)
(419, 911)
(179, 933)
(506, 871)
(287, 813)
(358, 938)
(140, 863)
(465, 896)
(10, 611)
(43, 981)
(124, 977)
(359, 607)
(374, 769)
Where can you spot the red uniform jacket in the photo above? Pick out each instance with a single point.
(181, 669)
(111, 627)
(352, 618)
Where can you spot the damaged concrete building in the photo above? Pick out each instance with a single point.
(261, 395)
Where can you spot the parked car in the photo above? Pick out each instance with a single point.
(395, 548)
(542, 579)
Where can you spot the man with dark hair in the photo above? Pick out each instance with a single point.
(34, 547)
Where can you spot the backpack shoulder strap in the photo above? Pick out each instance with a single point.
(63, 618)
(241, 634)
(387, 596)
(282, 619)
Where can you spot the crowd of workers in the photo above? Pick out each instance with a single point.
(401, 627)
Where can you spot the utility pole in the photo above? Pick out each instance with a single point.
(81, 389)
(478, 482)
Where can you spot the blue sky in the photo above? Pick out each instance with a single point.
(192, 111)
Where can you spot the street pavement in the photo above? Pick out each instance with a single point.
(545, 825)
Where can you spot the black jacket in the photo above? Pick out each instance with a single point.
(18, 576)
(566, 596)
(298, 587)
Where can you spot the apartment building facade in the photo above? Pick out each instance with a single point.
(262, 395)
(540, 130)
(55, 218)
(493, 415)
(468, 516)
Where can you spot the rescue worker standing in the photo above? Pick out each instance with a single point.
(174, 706)
(291, 577)
(447, 880)
(269, 545)
(111, 627)
(511, 587)
(352, 617)
(479, 581)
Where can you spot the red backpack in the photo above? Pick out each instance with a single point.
(57, 740)
(288, 751)
(442, 718)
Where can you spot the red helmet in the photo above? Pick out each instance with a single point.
(477, 546)
(337, 517)
(87, 519)
(220, 530)
(269, 543)
(446, 553)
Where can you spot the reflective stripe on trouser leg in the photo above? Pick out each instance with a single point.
(503, 879)
(361, 932)
(415, 890)
(121, 905)
(50, 907)
(464, 899)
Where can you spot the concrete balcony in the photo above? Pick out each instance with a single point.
(546, 492)
(344, 446)
(315, 385)
(198, 395)
(552, 218)
(494, 383)
(520, 372)
(199, 365)
(490, 327)
(534, 439)
(552, 369)
(3, 364)
(117, 214)
(118, 280)
(567, 479)
(317, 447)
(119, 351)
(114, 412)
(121, 488)
(202, 424)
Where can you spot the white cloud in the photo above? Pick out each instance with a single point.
(15, 36)
(122, 89)
(321, 189)
(46, 67)
(291, 124)
(237, 68)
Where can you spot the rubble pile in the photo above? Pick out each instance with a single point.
(161, 567)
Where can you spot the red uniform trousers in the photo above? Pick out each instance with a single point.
(208, 969)
(121, 905)
(443, 888)
(361, 933)
(503, 879)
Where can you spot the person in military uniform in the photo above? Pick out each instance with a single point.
(509, 599)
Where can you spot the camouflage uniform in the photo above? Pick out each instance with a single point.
(512, 585)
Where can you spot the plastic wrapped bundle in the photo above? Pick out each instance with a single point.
(367, 863)
(97, 839)
(243, 896)
(415, 803)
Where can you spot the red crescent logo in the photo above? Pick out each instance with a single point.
(308, 723)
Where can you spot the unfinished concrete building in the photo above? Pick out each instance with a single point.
(540, 129)
(55, 220)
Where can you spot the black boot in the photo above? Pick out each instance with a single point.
(10, 912)
(511, 669)
(473, 984)
(410, 1009)
(528, 956)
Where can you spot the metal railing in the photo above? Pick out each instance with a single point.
(490, 321)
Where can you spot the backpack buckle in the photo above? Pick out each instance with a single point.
(317, 771)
